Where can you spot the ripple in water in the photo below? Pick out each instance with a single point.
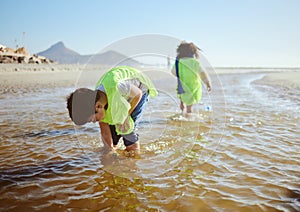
(48, 164)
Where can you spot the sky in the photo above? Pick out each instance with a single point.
(231, 33)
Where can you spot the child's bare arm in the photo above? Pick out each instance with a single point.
(206, 80)
(173, 71)
(135, 95)
(106, 135)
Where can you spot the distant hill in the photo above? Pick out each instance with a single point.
(63, 55)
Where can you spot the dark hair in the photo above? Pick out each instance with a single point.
(187, 50)
(81, 105)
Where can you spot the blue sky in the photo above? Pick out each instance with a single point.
(230, 32)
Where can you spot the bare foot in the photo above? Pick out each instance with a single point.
(188, 115)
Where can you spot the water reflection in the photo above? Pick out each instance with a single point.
(48, 164)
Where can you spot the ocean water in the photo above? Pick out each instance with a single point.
(242, 154)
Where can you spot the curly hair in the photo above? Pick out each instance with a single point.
(186, 49)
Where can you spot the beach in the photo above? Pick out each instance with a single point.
(28, 75)
(242, 155)
(16, 78)
(289, 80)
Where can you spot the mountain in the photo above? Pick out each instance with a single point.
(63, 55)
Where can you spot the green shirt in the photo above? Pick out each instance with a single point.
(189, 75)
(118, 106)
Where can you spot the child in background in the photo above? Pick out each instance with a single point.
(189, 76)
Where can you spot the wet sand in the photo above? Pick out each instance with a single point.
(28, 76)
(285, 85)
(289, 80)
(32, 77)
(25, 78)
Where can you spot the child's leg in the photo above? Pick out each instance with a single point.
(138, 111)
(131, 140)
(135, 146)
(181, 106)
(114, 135)
(189, 108)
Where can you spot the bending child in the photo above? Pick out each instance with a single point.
(117, 102)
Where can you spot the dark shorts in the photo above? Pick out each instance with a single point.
(132, 137)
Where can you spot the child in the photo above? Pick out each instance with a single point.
(116, 103)
(189, 75)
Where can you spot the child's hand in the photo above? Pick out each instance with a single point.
(125, 126)
(109, 158)
(208, 88)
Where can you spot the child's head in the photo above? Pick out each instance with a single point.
(81, 105)
(187, 50)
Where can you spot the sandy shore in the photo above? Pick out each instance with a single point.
(27, 77)
(284, 84)
(288, 80)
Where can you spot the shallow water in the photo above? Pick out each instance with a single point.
(243, 155)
